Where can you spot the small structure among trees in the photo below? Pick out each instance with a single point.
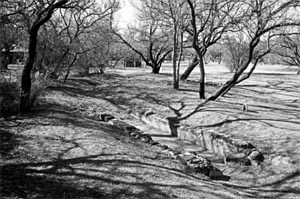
(133, 63)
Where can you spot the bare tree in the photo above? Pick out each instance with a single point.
(288, 48)
(120, 51)
(235, 51)
(215, 53)
(262, 21)
(36, 13)
(148, 39)
(209, 21)
(39, 13)
(190, 68)
(10, 30)
(84, 30)
(173, 14)
(9, 37)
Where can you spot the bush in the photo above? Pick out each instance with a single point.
(9, 98)
(10, 95)
(235, 52)
(37, 88)
(231, 62)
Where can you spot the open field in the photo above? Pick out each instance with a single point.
(61, 150)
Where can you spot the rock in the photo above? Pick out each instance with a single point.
(108, 117)
(256, 157)
(135, 134)
(112, 122)
(105, 117)
(120, 124)
(240, 143)
(149, 112)
(245, 162)
(130, 129)
(215, 172)
(163, 146)
(154, 143)
(172, 152)
(200, 165)
(146, 138)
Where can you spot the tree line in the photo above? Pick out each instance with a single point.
(63, 34)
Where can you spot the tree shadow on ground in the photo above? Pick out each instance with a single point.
(272, 189)
(8, 142)
(48, 179)
(23, 183)
(117, 93)
(62, 178)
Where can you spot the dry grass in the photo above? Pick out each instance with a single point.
(61, 150)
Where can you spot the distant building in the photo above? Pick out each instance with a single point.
(134, 63)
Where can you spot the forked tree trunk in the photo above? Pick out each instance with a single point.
(190, 68)
(155, 69)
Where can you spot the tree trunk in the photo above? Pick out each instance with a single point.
(202, 78)
(69, 67)
(5, 58)
(179, 57)
(33, 33)
(155, 69)
(174, 59)
(3, 65)
(190, 68)
(26, 79)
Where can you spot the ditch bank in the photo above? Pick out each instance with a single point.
(191, 160)
(224, 146)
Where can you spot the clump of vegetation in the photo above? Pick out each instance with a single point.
(9, 98)
(38, 86)
(10, 95)
(235, 53)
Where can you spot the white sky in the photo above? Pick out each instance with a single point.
(126, 14)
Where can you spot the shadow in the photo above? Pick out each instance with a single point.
(107, 175)
(173, 125)
(188, 90)
(227, 121)
(8, 142)
(162, 135)
(94, 176)
(57, 179)
(276, 189)
(290, 176)
(117, 92)
(23, 183)
(221, 178)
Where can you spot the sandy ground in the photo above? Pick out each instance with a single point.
(273, 100)
(61, 150)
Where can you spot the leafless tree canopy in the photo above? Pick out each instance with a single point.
(79, 35)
